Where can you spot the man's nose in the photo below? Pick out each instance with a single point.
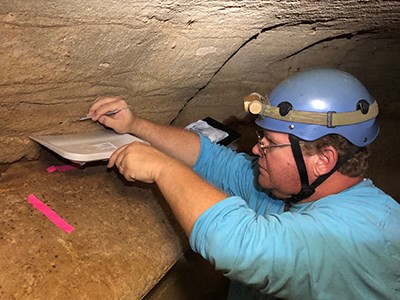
(256, 150)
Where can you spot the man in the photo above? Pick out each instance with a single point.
(298, 221)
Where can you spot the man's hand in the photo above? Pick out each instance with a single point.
(176, 142)
(139, 161)
(120, 122)
(186, 192)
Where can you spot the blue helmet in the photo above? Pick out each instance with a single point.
(318, 102)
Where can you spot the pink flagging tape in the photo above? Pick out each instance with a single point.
(50, 214)
(63, 168)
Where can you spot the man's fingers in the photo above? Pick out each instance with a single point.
(103, 105)
(113, 158)
(99, 101)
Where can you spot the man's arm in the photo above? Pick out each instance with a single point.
(176, 142)
(187, 193)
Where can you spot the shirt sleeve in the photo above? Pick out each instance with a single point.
(237, 241)
(236, 174)
(299, 254)
(233, 172)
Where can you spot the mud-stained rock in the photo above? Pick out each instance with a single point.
(125, 238)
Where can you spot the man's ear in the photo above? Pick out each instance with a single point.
(325, 160)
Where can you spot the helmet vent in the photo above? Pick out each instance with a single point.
(284, 108)
(363, 105)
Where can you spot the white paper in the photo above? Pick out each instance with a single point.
(202, 127)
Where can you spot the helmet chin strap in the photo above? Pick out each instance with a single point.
(306, 189)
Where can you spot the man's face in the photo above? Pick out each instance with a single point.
(278, 170)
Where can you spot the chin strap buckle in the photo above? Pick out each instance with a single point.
(306, 191)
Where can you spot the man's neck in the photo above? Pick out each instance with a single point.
(335, 184)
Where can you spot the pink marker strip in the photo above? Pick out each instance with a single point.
(63, 168)
(50, 214)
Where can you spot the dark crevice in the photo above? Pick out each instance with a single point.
(254, 37)
(332, 38)
(3, 168)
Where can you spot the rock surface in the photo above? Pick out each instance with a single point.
(124, 241)
(176, 61)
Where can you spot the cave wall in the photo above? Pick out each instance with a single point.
(177, 61)
(174, 62)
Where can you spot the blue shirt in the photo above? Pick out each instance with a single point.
(344, 246)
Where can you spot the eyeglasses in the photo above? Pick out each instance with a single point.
(263, 148)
